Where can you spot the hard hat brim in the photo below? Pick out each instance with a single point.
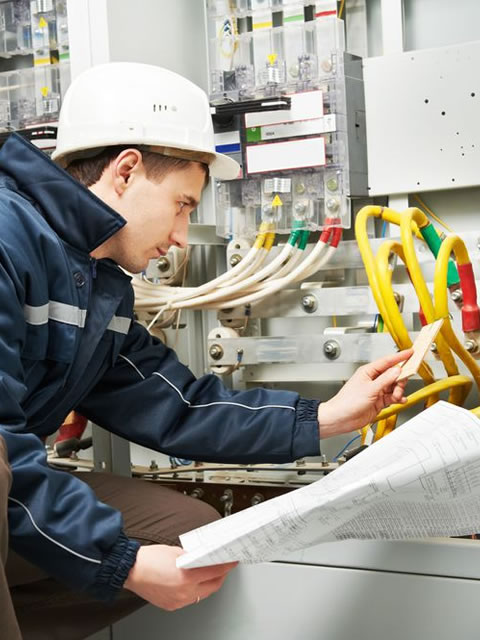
(224, 168)
(221, 166)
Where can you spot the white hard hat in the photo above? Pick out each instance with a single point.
(138, 104)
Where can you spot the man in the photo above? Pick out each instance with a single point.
(140, 140)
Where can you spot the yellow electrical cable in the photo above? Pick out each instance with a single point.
(394, 217)
(380, 276)
(384, 275)
(391, 424)
(369, 261)
(463, 383)
(386, 311)
(423, 294)
(340, 11)
(430, 213)
(455, 244)
(385, 426)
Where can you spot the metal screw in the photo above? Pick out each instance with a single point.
(267, 209)
(197, 493)
(456, 295)
(153, 465)
(433, 347)
(333, 204)
(163, 264)
(227, 499)
(300, 207)
(332, 184)
(471, 346)
(235, 259)
(324, 460)
(300, 188)
(215, 352)
(326, 65)
(331, 349)
(309, 303)
(256, 499)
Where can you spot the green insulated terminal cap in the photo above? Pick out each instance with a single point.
(434, 241)
(303, 239)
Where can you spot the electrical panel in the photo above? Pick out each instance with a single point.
(288, 105)
(36, 66)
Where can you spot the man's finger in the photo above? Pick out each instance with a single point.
(203, 574)
(374, 369)
(207, 588)
(385, 382)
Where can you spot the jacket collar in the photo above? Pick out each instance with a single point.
(74, 213)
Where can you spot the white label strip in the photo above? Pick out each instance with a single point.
(305, 106)
(302, 128)
(278, 156)
(227, 137)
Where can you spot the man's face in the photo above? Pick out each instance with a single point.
(157, 213)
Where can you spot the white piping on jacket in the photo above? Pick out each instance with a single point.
(209, 404)
(59, 544)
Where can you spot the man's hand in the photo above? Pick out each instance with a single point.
(371, 388)
(155, 577)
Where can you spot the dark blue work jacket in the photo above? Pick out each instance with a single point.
(68, 340)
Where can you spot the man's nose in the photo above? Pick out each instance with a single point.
(179, 235)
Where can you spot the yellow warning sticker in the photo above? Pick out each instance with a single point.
(42, 23)
(276, 202)
(272, 58)
(44, 91)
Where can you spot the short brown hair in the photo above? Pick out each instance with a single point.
(89, 170)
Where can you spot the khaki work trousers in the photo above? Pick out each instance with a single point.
(48, 610)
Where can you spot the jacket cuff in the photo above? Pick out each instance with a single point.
(306, 439)
(115, 568)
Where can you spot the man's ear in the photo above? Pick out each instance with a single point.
(126, 165)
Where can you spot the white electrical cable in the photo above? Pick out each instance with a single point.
(228, 290)
(267, 289)
(280, 283)
(262, 254)
(145, 286)
(243, 284)
(291, 263)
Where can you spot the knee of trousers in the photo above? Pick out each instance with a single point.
(200, 512)
(165, 520)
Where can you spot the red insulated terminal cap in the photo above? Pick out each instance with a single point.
(74, 428)
(325, 235)
(336, 237)
(470, 310)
